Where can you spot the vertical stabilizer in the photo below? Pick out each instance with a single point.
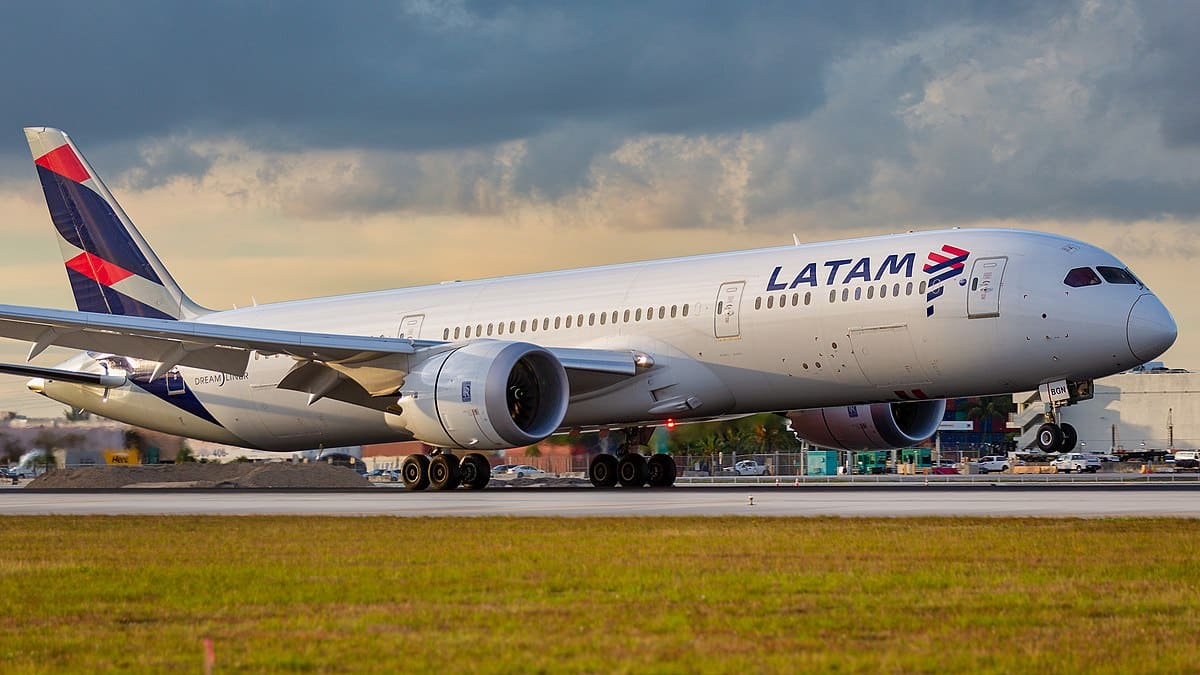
(111, 268)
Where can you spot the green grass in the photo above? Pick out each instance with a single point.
(88, 594)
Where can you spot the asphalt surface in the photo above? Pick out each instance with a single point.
(1088, 501)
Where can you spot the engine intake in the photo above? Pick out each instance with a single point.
(485, 395)
(877, 426)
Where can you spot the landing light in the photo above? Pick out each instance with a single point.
(670, 424)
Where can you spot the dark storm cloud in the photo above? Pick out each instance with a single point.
(432, 75)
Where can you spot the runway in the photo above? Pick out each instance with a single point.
(1085, 502)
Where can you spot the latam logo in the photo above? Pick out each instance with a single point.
(943, 267)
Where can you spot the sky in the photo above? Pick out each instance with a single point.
(273, 151)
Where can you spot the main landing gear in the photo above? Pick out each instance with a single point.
(445, 471)
(630, 468)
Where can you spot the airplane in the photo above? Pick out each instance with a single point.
(858, 341)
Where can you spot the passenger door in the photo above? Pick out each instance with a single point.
(727, 325)
(983, 295)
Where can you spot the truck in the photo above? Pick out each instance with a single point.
(1076, 461)
(747, 467)
(1187, 459)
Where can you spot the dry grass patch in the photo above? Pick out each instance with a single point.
(599, 595)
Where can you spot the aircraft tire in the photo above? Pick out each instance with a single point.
(475, 471)
(661, 471)
(443, 472)
(415, 472)
(602, 471)
(1049, 437)
(1070, 437)
(632, 470)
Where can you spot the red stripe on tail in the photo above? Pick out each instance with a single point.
(62, 161)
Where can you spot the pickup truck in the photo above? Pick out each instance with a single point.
(747, 467)
(1076, 461)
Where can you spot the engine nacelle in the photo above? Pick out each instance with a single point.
(485, 395)
(878, 426)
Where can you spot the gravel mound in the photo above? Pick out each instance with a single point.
(195, 475)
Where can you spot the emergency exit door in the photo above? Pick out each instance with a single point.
(983, 291)
(410, 326)
(729, 302)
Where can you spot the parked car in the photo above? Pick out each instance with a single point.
(944, 467)
(19, 472)
(376, 473)
(747, 467)
(501, 468)
(1076, 461)
(993, 464)
(1104, 456)
(525, 471)
(1187, 459)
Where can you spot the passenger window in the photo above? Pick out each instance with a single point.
(673, 308)
(685, 310)
(757, 303)
(579, 321)
(592, 319)
(858, 293)
(770, 301)
(637, 316)
(557, 322)
(896, 290)
(870, 292)
(649, 313)
(456, 332)
(975, 284)
(446, 334)
(603, 317)
(500, 328)
(845, 294)
(512, 326)
(1116, 275)
(808, 298)
(626, 316)
(468, 334)
(795, 299)
(478, 330)
(832, 296)
(489, 330)
(908, 289)
(720, 307)
(523, 324)
(614, 316)
(883, 291)
(569, 318)
(922, 288)
(546, 323)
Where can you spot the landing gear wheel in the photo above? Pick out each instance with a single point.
(1049, 438)
(1069, 437)
(632, 470)
(415, 472)
(661, 470)
(602, 471)
(474, 471)
(443, 472)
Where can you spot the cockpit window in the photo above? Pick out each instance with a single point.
(1082, 276)
(1116, 275)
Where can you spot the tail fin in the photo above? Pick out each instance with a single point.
(111, 268)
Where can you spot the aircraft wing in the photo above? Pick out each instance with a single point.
(377, 364)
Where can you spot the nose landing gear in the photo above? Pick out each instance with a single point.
(1052, 438)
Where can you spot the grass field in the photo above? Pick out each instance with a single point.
(90, 594)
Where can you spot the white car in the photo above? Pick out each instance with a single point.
(1187, 459)
(747, 467)
(525, 471)
(1076, 461)
(993, 464)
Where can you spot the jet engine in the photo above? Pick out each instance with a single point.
(877, 426)
(485, 395)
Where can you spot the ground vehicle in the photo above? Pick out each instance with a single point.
(1187, 459)
(19, 472)
(501, 468)
(993, 464)
(1076, 461)
(944, 467)
(525, 471)
(747, 467)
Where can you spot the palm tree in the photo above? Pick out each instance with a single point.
(989, 408)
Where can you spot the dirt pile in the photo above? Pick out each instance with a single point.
(233, 475)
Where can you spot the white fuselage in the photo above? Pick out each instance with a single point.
(777, 329)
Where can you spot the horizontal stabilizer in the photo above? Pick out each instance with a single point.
(99, 379)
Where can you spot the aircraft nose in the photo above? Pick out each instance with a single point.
(1151, 330)
(37, 385)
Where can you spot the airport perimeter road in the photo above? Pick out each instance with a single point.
(975, 501)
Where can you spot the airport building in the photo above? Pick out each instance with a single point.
(1148, 408)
